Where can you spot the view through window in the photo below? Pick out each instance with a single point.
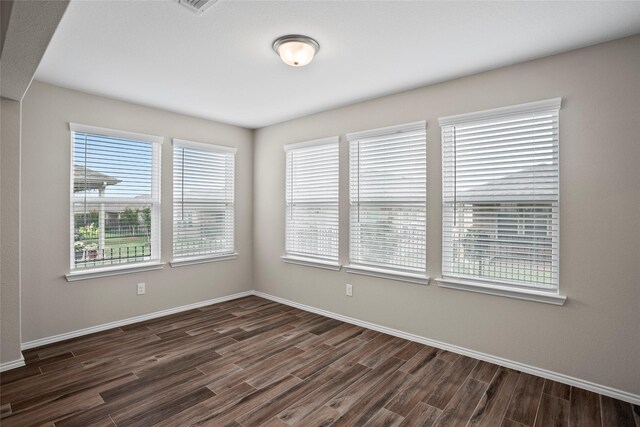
(115, 198)
(500, 196)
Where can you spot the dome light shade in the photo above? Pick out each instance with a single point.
(296, 50)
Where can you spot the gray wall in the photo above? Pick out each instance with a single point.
(51, 305)
(10, 231)
(596, 335)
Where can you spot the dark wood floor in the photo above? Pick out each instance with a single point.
(252, 362)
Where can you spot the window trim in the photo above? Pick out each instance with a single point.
(311, 261)
(501, 288)
(494, 113)
(312, 143)
(405, 127)
(403, 276)
(203, 146)
(76, 127)
(113, 270)
(201, 259)
(156, 263)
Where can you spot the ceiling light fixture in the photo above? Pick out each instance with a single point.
(296, 50)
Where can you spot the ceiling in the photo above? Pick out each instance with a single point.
(220, 65)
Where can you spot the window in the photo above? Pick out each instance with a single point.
(115, 198)
(388, 197)
(312, 179)
(203, 202)
(500, 196)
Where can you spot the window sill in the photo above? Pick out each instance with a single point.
(388, 274)
(95, 273)
(503, 291)
(201, 260)
(310, 262)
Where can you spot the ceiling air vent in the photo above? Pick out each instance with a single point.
(197, 6)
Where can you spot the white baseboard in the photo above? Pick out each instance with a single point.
(12, 365)
(555, 376)
(129, 321)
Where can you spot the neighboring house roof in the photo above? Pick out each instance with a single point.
(85, 179)
(491, 188)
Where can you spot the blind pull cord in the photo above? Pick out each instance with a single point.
(182, 187)
(455, 178)
(358, 148)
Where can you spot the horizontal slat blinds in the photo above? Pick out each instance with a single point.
(312, 171)
(203, 200)
(500, 197)
(387, 193)
(115, 197)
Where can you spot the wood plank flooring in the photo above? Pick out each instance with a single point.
(253, 362)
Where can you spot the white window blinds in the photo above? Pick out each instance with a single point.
(388, 195)
(500, 195)
(312, 178)
(115, 197)
(203, 200)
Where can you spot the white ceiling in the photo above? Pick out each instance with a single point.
(220, 65)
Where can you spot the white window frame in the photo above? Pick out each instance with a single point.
(482, 285)
(398, 274)
(179, 261)
(155, 262)
(309, 260)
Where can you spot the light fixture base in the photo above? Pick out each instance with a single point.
(290, 57)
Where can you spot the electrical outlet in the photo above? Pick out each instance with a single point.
(141, 289)
(349, 290)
